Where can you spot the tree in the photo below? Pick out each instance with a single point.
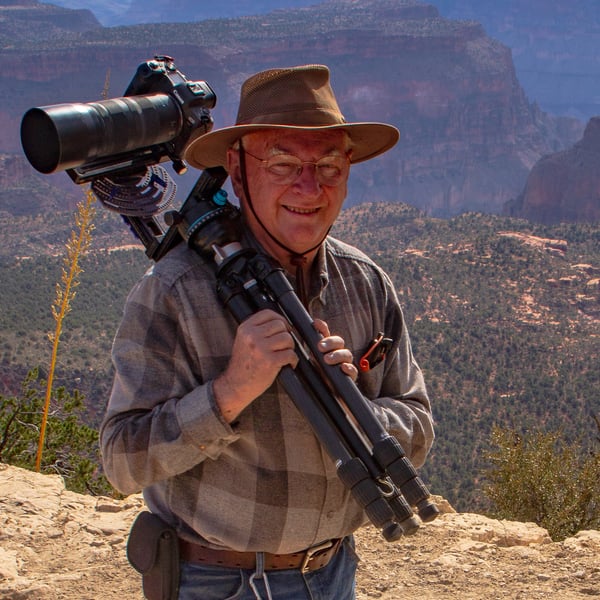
(538, 476)
(70, 448)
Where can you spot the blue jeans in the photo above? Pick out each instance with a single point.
(336, 581)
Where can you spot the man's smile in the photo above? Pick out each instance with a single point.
(301, 211)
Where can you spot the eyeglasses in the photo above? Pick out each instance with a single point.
(284, 169)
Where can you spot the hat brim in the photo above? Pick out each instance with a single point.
(368, 140)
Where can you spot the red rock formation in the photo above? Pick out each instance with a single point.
(468, 134)
(564, 186)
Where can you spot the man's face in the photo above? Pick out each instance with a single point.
(297, 213)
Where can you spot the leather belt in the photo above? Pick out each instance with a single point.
(312, 559)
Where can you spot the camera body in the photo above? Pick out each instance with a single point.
(194, 99)
(160, 113)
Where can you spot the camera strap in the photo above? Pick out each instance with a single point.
(297, 259)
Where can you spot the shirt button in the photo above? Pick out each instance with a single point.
(331, 514)
(202, 447)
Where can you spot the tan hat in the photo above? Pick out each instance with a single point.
(290, 98)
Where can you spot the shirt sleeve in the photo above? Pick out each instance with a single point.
(397, 387)
(403, 408)
(162, 418)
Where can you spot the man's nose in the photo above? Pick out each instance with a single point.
(307, 182)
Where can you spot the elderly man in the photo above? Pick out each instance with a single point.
(197, 418)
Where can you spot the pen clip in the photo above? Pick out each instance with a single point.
(376, 352)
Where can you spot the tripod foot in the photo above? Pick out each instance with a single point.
(427, 510)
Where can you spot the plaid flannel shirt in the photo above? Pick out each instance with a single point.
(263, 483)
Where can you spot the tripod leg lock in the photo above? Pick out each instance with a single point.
(391, 457)
(369, 495)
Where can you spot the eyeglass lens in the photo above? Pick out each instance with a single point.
(286, 168)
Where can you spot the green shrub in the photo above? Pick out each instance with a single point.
(70, 448)
(540, 477)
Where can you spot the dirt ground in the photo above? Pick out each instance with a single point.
(470, 557)
(56, 545)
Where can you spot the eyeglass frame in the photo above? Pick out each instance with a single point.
(300, 166)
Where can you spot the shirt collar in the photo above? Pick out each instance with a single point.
(320, 264)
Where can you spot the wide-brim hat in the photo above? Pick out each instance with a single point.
(295, 98)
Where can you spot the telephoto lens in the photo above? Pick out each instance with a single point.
(65, 136)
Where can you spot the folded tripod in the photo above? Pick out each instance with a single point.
(370, 462)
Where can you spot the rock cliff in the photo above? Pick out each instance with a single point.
(28, 19)
(57, 544)
(564, 186)
(468, 134)
(554, 47)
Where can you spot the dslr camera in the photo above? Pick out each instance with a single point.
(160, 113)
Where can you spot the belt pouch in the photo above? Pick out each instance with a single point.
(153, 551)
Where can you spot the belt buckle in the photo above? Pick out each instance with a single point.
(312, 552)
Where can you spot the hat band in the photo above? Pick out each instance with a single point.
(312, 117)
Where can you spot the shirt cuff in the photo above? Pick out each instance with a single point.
(201, 422)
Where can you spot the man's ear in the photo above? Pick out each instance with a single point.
(235, 174)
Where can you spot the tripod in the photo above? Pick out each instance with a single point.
(370, 462)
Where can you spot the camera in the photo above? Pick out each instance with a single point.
(160, 113)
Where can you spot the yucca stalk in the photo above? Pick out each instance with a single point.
(76, 247)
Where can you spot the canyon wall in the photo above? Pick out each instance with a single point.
(469, 136)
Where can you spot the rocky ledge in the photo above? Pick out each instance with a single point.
(55, 544)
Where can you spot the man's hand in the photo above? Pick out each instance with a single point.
(334, 350)
(262, 345)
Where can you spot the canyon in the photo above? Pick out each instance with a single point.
(469, 134)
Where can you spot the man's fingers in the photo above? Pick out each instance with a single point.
(350, 370)
(321, 327)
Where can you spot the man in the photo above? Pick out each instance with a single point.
(196, 417)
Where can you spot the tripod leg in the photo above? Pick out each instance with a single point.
(387, 451)
(356, 477)
(390, 455)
